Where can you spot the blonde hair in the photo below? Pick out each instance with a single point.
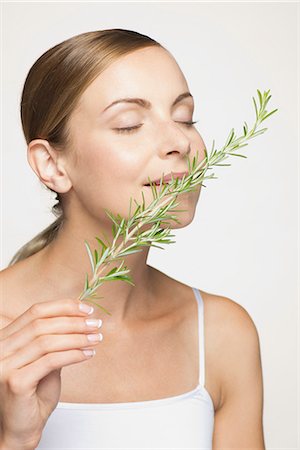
(52, 90)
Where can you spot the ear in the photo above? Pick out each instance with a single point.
(44, 161)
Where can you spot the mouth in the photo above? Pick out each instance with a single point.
(167, 179)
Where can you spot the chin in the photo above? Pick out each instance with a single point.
(185, 218)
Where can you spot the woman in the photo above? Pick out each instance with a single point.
(152, 382)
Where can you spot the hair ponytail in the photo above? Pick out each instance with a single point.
(42, 239)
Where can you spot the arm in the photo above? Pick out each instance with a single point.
(239, 419)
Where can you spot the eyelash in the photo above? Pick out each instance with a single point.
(129, 129)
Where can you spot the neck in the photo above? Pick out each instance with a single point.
(63, 265)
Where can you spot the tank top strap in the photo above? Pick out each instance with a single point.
(201, 346)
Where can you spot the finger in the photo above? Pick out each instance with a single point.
(53, 308)
(39, 327)
(27, 378)
(48, 344)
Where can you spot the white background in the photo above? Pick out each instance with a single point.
(243, 241)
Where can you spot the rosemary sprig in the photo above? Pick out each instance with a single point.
(157, 213)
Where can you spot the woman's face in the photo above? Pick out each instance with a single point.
(108, 166)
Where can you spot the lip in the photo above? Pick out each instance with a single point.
(168, 177)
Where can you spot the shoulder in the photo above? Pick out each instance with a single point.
(15, 298)
(229, 316)
(236, 358)
(5, 316)
(233, 342)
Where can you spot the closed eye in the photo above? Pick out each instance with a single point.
(129, 129)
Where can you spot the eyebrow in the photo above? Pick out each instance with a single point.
(145, 103)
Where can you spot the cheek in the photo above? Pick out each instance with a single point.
(106, 176)
(115, 157)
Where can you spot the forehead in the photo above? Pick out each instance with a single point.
(151, 72)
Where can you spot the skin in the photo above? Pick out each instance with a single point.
(103, 169)
(106, 168)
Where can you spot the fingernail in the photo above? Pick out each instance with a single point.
(95, 337)
(86, 308)
(93, 322)
(89, 352)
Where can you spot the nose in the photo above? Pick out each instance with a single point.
(174, 140)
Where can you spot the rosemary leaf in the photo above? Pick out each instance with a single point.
(164, 201)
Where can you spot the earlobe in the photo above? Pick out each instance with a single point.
(44, 162)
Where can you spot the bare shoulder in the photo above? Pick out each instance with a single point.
(5, 318)
(15, 298)
(232, 343)
(230, 315)
(235, 357)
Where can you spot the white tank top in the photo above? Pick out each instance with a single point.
(183, 421)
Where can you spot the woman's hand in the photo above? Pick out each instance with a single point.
(33, 349)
